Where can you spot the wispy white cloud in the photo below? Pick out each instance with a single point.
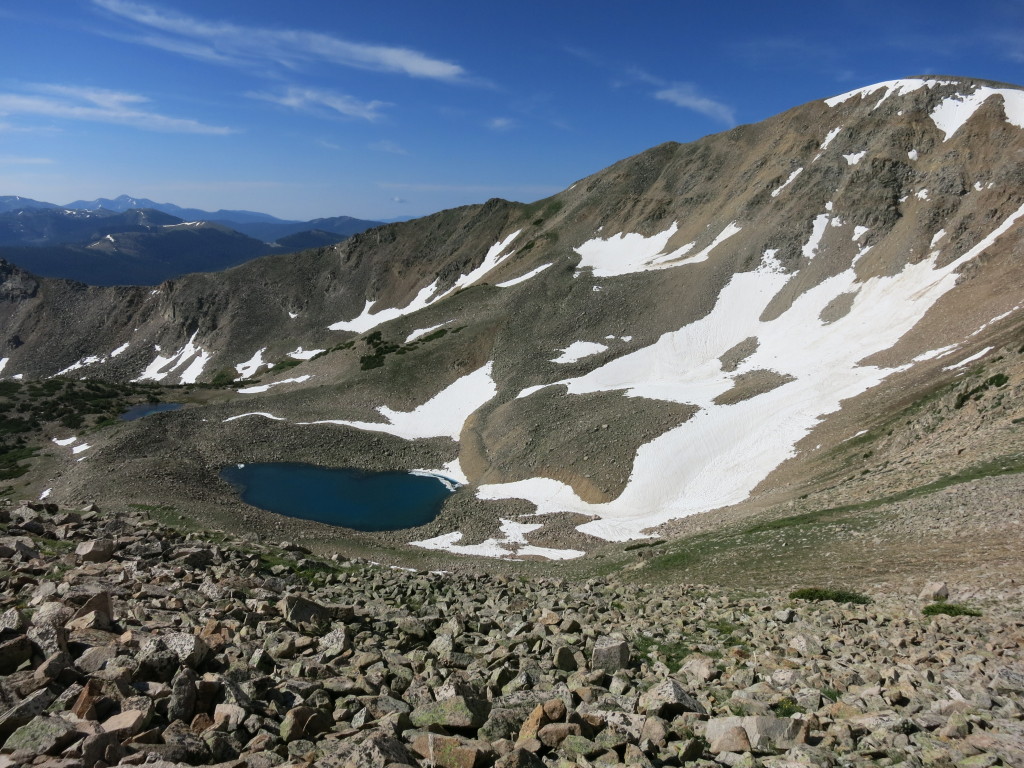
(15, 160)
(99, 105)
(501, 123)
(317, 99)
(230, 43)
(391, 147)
(1009, 44)
(685, 95)
(682, 94)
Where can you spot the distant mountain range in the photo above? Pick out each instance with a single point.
(135, 241)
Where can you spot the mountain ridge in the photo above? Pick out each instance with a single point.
(734, 309)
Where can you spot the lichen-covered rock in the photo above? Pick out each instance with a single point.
(457, 713)
(42, 736)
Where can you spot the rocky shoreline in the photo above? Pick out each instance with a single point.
(124, 642)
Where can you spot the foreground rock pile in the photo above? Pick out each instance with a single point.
(123, 642)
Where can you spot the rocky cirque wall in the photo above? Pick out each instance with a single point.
(663, 335)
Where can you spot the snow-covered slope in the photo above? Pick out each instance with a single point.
(689, 329)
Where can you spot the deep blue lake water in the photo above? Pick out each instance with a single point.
(147, 409)
(365, 501)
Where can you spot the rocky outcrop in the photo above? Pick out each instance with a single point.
(185, 649)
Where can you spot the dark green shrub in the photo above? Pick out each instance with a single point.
(787, 707)
(222, 378)
(285, 364)
(835, 595)
(949, 609)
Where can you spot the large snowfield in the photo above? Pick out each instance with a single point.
(721, 454)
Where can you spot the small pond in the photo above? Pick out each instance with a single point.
(365, 501)
(148, 409)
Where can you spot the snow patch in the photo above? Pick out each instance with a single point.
(579, 350)
(933, 354)
(512, 544)
(80, 448)
(451, 474)
(523, 278)
(305, 354)
(530, 390)
(162, 366)
(951, 115)
(854, 157)
(724, 235)
(787, 182)
(85, 361)
(420, 332)
(829, 137)
(995, 320)
(65, 441)
(891, 88)
(770, 263)
(45, 494)
(365, 321)
(494, 257)
(818, 227)
(264, 387)
(921, 194)
(969, 360)
(912, 154)
(627, 253)
(3, 363)
(264, 414)
(428, 295)
(249, 368)
(119, 350)
(450, 483)
(441, 416)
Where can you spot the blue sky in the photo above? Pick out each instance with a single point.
(307, 108)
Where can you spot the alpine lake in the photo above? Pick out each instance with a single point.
(363, 501)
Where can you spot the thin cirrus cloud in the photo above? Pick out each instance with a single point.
(316, 99)
(686, 96)
(101, 106)
(228, 43)
(386, 145)
(501, 123)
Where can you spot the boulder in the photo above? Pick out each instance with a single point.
(457, 712)
(610, 654)
(300, 610)
(304, 723)
(765, 735)
(96, 550)
(934, 590)
(668, 699)
(42, 735)
(14, 653)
